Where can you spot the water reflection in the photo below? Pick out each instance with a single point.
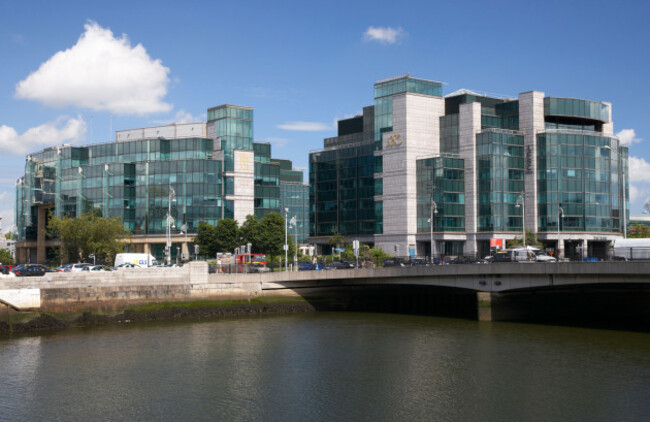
(327, 366)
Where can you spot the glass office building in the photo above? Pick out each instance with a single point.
(209, 171)
(493, 167)
(342, 183)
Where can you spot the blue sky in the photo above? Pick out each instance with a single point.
(76, 71)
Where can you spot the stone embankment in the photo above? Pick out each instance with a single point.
(48, 321)
(72, 292)
(110, 297)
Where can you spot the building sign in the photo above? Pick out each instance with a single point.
(529, 159)
(394, 140)
(244, 162)
(496, 243)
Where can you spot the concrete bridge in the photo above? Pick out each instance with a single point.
(501, 291)
(498, 277)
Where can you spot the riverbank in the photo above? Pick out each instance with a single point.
(157, 312)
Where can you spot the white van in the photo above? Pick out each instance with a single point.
(531, 254)
(631, 249)
(140, 259)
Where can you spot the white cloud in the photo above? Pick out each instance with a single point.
(628, 137)
(385, 35)
(639, 190)
(639, 169)
(63, 130)
(305, 126)
(181, 116)
(100, 72)
(278, 142)
(7, 220)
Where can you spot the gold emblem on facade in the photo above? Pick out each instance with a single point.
(394, 140)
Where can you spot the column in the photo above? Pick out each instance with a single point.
(469, 124)
(484, 303)
(40, 236)
(531, 121)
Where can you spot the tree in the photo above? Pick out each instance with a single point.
(273, 232)
(206, 238)
(226, 235)
(251, 232)
(337, 239)
(9, 235)
(531, 240)
(88, 235)
(638, 231)
(6, 258)
(378, 256)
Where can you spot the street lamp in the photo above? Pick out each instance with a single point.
(560, 217)
(434, 210)
(286, 243)
(521, 202)
(294, 224)
(170, 221)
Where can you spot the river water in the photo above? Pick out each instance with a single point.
(326, 367)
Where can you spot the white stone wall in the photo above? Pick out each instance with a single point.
(469, 124)
(244, 177)
(416, 134)
(173, 131)
(531, 121)
(22, 298)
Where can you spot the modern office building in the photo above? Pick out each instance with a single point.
(419, 173)
(194, 172)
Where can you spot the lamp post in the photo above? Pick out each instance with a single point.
(286, 244)
(521, 202)
(560, 217)
(434, 210)
(171, 198)
(294, 223)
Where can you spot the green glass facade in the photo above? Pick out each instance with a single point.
(572, 107)
(342, 190)
(441, 180)
(128, 180)
(132, 179)
(294, 196)
(582, 174)
(500, 159)
(234, 125)
(267, 181)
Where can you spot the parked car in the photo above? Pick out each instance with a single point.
(123, 266)
(340, 265)
(393, 262)
(306, 266)
(96, 268)
(256, 267)
(30, 270)
(414, 262)
(463, 260)
(75, 268)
